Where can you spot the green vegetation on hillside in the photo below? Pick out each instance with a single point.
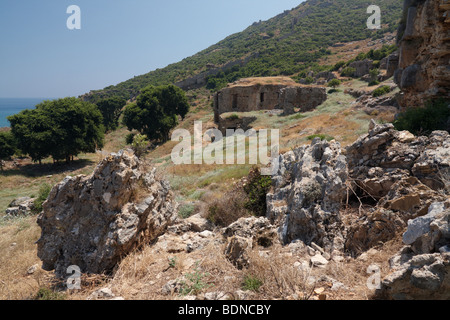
(287, 44)
(422, 121)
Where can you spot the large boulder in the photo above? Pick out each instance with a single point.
(246, 234)
(94, 221)
(307, 193)
(20, 207)
(361, 67)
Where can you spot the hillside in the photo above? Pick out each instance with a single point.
(288, 44)
(344, 217)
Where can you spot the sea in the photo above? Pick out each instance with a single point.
(11, 106)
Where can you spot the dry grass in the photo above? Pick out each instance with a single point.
(18, 253)
(142, 274)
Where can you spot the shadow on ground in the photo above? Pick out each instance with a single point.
(33, 170)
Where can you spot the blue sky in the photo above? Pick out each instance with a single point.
(119, 39)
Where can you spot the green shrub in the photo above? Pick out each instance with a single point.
(331, 91)
(251, 283)
(309, 80)
(348, 72)
(140, 144)
(338, 65)
(44, 191)
(129, 138)
(186, 210)
(381, 91)
(422, 121)
(48, 294)
(321, 136)
(256, 189)
(233, 117)
(298, 116)
(334, 83)
(194, 283)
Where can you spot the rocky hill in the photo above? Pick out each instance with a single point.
(287, 44)
(400, 181)
(356, 210)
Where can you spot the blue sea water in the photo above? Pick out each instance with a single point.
(11, 106)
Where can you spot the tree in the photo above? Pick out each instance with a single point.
(111, 109)
(156, 111)
(7, 147)
(334, 83)
(60, 128)
(33, 133)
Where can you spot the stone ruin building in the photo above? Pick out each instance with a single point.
(253, 94)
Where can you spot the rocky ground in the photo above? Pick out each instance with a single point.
(380, 205)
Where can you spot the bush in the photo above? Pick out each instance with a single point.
(334, 83)
(422, 121)
(348, 72)
(44, 191)
(309, 80)
(251, 283)
(256, 189)
(48, 294)
(248, 197)
(338, 65)
(186, 210)
(334, 91)
(321, 136)
(233, 117)
(381, 91)
(129, 138)
(229, 208)
(140, 144)
(194, 283)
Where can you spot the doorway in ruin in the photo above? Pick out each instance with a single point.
(235, 102)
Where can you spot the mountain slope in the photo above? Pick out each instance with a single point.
(287, 44)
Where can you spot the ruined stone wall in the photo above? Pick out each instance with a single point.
(248, 98)
(267, 97)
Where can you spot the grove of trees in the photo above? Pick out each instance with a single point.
(156, 111)
(111, 109)
(7, 147)
(60, 128)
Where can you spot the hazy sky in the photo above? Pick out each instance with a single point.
(119, 39)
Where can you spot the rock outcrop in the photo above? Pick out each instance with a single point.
(424, 70)
(246, 234)
(307, 193)
(20, 207)
(361, 67)
(94, 221)
(384, 156)
(407, 199)
(421, 270)
(403, 173)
